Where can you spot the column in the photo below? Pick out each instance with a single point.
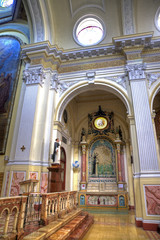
(130, 177)
(144, 128)
(145, 156)
(118, 142)
(31, 122)
(83, 165)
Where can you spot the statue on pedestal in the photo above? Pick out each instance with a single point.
(56, 152)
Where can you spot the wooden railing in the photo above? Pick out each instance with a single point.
(15, 212)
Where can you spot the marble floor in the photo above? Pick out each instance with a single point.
(117, 226)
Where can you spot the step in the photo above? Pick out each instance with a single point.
(46, 231)
(68, 229)
(82, 230)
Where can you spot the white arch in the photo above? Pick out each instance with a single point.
(154, 92)
(38, 20)
(105, 85)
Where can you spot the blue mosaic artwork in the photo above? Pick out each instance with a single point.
(121, 201)
(102, 159)
(82, 200)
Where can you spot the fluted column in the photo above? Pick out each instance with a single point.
(144, 128)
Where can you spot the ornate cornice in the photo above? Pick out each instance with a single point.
(44, 49)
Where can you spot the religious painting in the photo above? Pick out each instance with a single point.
(100, 122)
(82, 200)
(102, 200)
(9, 66)
(121, 201)
(102, 159)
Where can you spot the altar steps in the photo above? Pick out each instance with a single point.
(75, 229)
(72, 226)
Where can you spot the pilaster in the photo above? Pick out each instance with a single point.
(145, 155)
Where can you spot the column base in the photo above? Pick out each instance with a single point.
(150, 226)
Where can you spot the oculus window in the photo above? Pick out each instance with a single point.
(89, 31)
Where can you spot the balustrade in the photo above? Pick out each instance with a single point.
(55, 205)
(16, 212)
(12, 211)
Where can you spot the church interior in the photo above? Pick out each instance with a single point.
(85, 72)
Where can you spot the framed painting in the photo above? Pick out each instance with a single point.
(9, 68)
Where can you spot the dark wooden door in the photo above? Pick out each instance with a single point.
(63, 166)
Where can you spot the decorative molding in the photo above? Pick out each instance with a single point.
(152, 77)
(121, 80)
(135, 40)
(34, 76)
(29, 163)
(148, 174)
(63, 86)
(136, 71)
(90, 76)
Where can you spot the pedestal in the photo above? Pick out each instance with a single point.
(54, 179)
(28, 186)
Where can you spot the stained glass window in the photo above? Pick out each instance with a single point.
(89, 31)
(6, 3)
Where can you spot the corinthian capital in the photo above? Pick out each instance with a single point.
(34, 76)
(136, 71)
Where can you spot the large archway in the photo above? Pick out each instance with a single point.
(80, 102)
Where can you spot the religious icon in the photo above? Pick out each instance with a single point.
(100, 123)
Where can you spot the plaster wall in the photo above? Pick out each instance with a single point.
(63, 22)
(145, 11)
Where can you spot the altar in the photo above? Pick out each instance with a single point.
(102, 164)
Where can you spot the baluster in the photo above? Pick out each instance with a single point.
(52, 207)
(15, 221)
(6, 223)
(49, 208)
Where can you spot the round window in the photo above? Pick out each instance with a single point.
(89, 31)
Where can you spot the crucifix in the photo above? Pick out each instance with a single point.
(23, 148)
